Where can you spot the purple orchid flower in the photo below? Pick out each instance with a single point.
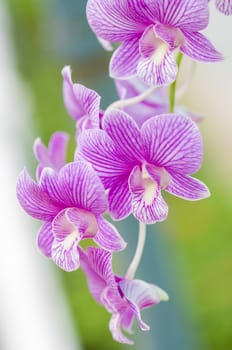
(150, 32)
(135, 165)
(70, 204)
(122, 297)
(82, 104)
(224, 6)
(54, 156)
(157, 103)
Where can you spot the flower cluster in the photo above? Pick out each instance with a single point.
(126, 156)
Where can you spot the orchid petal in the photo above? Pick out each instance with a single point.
(124, 61)
(148, 205)
(125, 133)
(34, 200)
(174, 142)
(108, 237)
(120, 199)
(116, 20)
(67, 236)
(80, 187)
(187, 187)
(45, 239)
(224, 6)
(188, 15)
(199, 48)
(97, 148)
(154, 72)
(115, 328)
(79, 100)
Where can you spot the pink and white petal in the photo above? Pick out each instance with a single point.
(97, 148)
(174, 142)
(67, 258)
(79, 100)
(45, 239)
(34, 200)
(224, 6)
(187, 187)
(119, 199)
(62, 227)
(81, 187)
(124, 61)
(108, 237)
(115, 328)
(41, 152)
(148, 205)
(105, 44)
(116, 20)
(199, 48)
(188, 15)
(142, 294)
(160, 69)
(57, 149)
(171, 35)
(97, 267)
(124, 131)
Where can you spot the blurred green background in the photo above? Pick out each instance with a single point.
(197, 236)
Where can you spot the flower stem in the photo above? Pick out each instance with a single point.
(173, 86)
(138, 253)
(133, 100)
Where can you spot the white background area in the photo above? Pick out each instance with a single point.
(33, 311)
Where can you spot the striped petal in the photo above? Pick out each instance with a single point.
(34, 200)
(148, 205)
(187, 187)
(108, 237)
(174, 142)
(120, 199)
(224, 6)
(199, 48)
(123, 63)
(45, 239)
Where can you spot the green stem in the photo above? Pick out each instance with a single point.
(173, 86)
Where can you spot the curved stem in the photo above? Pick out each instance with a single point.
(133, 100)
(173, 86)
(138, 253)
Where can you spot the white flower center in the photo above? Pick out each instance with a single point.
(68, 241)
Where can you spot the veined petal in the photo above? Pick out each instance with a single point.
(148, 205)
(96, 269)
(125, 133)
(141, 293)
(159, 69)
(188, 15)
(187, 187)
(45, 239)
(108, 237)
(97, 148)
(34, 200)
(115, 328)
(67, 236)
(80, 187)
(199, 48)
(174, 142)
(79, 100)
(124, 61)
(117, 20)
(120, 199)
(224, 6)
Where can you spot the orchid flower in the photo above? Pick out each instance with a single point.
(54, 156)
(70, 204)
(136, 164)
(123, 298)
(224, 6)
(150, 32)
(82, 104)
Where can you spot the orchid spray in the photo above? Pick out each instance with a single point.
(127, 155)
